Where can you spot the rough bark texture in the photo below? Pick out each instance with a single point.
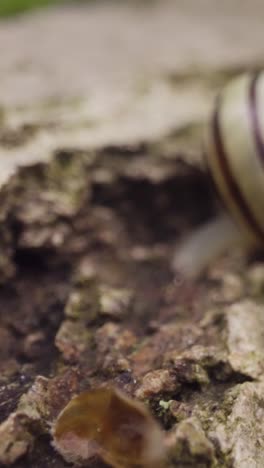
(101, 175)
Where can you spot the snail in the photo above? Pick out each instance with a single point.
(234, 150)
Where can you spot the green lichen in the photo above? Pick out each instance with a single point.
(84, 302)
(67, 179)
(165, 404)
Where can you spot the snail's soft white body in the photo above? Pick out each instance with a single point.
(234, 146)
(206, 243)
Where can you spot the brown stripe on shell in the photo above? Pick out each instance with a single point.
(232, 185)
(254, 117)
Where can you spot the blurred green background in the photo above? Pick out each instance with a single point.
(12, 7)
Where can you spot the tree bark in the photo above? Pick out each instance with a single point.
(102, 174)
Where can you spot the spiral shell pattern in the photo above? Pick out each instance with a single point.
(235, 151)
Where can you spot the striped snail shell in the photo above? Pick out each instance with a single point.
(234, 148)
(235, 151)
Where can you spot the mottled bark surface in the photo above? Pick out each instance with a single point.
(102, 110)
